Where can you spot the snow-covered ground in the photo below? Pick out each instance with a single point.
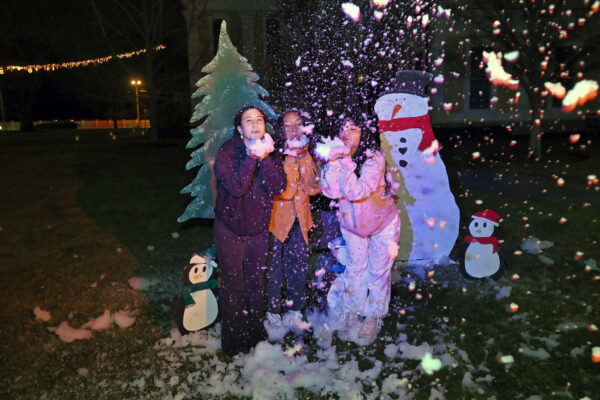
(427, 349)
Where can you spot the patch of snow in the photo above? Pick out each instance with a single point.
(69, 334)
(545, 260)
(430, 364)
(503, 292)
(540, 353)
(578, 351)
(140, 283)
(124, 319)
(395, 385)
(535, 245)
(41, 314)
(100, 323)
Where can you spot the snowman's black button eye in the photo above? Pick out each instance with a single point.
(204, 269)
(402, 140)
(196, 270)
(476, 224)
(485, 224)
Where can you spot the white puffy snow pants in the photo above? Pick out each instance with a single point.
(365, 286)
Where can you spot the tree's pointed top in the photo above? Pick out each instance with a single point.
(224, 40)
(228, 58)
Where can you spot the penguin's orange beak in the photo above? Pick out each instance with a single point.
(478, 231)
(196, 277)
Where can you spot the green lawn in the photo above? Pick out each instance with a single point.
(81, 213)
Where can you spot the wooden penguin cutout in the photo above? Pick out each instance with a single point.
(197, 307)
(481, 255)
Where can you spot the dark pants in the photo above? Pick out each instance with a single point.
(242, 264)
(330, 228)
(289, 262)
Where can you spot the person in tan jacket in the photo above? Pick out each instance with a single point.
(290, 222)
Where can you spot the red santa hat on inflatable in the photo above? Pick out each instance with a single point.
(488, 215)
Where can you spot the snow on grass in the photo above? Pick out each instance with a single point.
(140, 283)
(535, 245)
(69, 334)
(100, 323)
(124, 319)
(457, 329)
(540, 353)
(41, 314)
(430, 364)
(270, 370)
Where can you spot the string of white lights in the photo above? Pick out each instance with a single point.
(71, 64)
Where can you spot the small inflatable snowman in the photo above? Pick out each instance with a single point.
(197, 308)
(430, 223)
(481, 255)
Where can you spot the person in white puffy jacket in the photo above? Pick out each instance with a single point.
(356, 176)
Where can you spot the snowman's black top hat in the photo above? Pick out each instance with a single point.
(411, 82)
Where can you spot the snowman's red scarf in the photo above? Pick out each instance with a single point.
(399, 124)
(483, 240)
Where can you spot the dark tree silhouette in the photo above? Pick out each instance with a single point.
(557, 42)
(147, 24)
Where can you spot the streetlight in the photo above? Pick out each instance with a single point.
(136, 83)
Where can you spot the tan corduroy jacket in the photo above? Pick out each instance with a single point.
(302, 182)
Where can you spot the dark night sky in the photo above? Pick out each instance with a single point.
(35, 32)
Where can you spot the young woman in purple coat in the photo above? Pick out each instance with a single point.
(248, 177)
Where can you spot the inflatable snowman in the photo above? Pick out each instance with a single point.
(430, 223)
(197, 308)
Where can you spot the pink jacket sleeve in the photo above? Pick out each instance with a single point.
(372, 172)
(330, 185)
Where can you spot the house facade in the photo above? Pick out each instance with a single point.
(465, 98)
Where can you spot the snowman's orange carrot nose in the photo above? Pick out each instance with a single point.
(397, 108)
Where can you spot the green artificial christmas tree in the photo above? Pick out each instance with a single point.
(229, 85)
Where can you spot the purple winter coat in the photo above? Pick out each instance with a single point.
(246, 188)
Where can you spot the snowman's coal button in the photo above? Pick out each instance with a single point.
(402, 150)
(403, 163)
(402, 140)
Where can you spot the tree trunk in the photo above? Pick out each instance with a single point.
(535, 126)
(535, 140)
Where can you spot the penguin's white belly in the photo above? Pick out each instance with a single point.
(481, 261)
(202, 313)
